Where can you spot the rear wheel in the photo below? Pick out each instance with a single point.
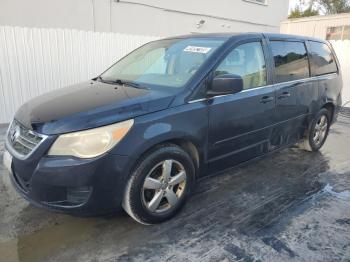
(159, 185)
(317, 133)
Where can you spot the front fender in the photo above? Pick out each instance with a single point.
(188, 122)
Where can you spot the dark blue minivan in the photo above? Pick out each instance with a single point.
(142, 133)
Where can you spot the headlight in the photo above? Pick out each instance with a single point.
(92, 142)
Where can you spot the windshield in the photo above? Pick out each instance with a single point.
(166, 63)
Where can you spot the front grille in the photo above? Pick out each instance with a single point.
(22, 140)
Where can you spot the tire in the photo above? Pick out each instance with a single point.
(153, 194)
(309, 142)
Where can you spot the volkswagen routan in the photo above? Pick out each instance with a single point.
(143, 132)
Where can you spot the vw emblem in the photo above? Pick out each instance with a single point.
(14, 134)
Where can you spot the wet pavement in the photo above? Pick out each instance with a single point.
(289, 206)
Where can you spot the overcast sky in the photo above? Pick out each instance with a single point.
(292, 3)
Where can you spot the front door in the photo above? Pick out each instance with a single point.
(240, 124)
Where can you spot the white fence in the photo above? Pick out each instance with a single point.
(34, 61)
(342, 49)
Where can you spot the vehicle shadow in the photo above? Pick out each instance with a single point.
(249, 201)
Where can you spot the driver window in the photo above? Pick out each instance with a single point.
(247, 61)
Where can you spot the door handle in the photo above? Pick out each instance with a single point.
(266, 99)
(284, 95)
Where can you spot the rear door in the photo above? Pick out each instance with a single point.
(324, 68)
(294, 90)
(240, 124)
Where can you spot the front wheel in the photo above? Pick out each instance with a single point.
(317, 133)
(159, 185)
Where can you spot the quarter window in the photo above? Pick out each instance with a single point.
(322, 59)
(291, 61)
(247, 61)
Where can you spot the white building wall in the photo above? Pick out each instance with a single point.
(242, 10)
(152, 21)
(76, 14)
(342, 49)
(146, 17)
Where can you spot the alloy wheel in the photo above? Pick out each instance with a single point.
(320, 130)
(164, 186)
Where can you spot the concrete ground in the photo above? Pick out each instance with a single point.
(290, 206)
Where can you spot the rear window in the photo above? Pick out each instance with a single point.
(322, 59)
(291, 61)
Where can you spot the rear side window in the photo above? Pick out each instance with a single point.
(291, 61)
(322, 59)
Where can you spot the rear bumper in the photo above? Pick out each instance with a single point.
(74, 186)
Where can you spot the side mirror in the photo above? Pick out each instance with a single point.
(226, 84)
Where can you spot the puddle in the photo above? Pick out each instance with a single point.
(345, 195)
(40, 245)
(8, 251)
(77, 237)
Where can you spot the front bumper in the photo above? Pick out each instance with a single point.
(76, 186)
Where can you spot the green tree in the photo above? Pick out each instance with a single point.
(332, 6)
(297, 12)
(310, 12)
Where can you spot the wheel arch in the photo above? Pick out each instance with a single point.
(331, 109)
(190, 147)
(185, 143)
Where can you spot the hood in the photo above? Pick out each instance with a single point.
(88, 105)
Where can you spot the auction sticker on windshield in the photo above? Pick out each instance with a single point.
(197, 49)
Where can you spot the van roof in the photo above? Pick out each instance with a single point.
(233, 35)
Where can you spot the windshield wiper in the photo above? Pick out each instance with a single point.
(127, 83)
(120, 82)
